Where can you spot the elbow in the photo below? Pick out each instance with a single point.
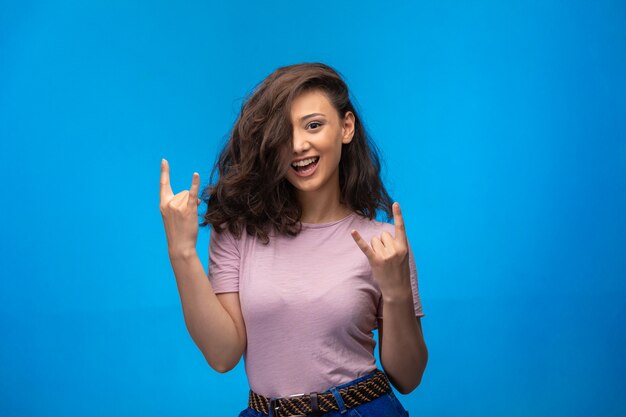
(418, 380)
(223, 360)
(222, 368)
(224, 365)
(404, 390)
(415, 380)
(407, 385)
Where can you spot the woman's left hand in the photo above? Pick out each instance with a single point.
(388, 257)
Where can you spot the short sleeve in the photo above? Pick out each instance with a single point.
(417, 303)
(224, 261)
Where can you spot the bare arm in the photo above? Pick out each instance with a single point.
(402, 349)
(403, 352)
(214, 322)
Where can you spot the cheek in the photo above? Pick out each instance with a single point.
(290, 176)
(337, 152)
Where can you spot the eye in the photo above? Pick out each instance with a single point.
(314, 125)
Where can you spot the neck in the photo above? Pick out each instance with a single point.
(322, 207)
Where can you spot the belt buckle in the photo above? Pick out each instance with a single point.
(274, 405)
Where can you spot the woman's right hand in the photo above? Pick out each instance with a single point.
(180, 213)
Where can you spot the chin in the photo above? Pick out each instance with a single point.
(306, 187)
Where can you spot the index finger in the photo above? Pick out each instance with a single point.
(165, 187)
(362, 244)
(398, 221)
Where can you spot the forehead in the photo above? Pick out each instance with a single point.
(313, 101)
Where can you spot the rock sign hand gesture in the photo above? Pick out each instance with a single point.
(180, 213)
(388, 257)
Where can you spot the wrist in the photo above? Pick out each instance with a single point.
(182, 253)
(397, 294)
(398, 297)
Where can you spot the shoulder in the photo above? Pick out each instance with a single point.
(225, 238)
(372, 227)
(373, 223)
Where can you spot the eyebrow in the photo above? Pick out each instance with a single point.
(311, 115)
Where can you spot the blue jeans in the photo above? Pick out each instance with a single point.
(387, 405)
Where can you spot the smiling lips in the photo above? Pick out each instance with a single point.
(305, 167)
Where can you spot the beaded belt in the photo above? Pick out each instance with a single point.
(317, 404)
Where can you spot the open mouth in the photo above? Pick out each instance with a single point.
(306, 167)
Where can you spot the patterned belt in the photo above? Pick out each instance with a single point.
(318, 404)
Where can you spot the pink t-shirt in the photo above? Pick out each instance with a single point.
(309, 303)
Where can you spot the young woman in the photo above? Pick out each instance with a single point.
(300, 271)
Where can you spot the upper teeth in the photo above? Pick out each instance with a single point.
(303, 162)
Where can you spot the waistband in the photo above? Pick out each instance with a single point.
(338, 398)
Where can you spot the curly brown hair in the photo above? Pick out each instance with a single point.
(252, 190)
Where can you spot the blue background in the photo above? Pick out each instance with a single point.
(502, 126)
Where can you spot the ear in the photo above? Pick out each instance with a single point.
(348, 128)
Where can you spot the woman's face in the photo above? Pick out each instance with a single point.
(318, 133)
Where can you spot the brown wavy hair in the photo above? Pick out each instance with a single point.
(252, 190)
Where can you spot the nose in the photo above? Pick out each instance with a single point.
(300, 144)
